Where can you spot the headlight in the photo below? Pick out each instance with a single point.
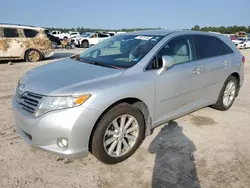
(58, 103)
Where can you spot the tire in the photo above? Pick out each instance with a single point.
(85, 44)
(244, 47)
(101, 136)
(220, 105)
(33, 55)
(65, 38)
(54, 45)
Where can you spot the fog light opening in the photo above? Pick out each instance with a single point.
(62, 142)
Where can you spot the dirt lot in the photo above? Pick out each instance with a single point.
(205, 149)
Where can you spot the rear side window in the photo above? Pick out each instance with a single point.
(207, 46)
(225, 48)
(10, 32)
(102, 35)
(29, 33)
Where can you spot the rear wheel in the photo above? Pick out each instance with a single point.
(227, 94)
(33, 55)
(118, 134)
(85, 44)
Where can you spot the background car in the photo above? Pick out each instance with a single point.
(89, 39)
(24, 42)
(60, 35)
(55, 41)
(74, 34)
(244, 43)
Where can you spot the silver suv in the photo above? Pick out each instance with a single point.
(108, 98)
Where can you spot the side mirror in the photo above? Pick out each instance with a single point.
(167, 62)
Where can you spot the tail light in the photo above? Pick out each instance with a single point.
(243, 59)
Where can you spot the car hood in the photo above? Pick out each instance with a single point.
(56, 79)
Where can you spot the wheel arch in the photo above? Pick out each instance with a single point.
(237, 76)
(26, 50)
(135, 102)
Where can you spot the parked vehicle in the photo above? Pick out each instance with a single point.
(244, 43)
(120, 32)
(24, 42)
(108, 98)
(74, 34)
(233, 37)
(241, 34)
(55, 41)
(60, 35)
(89, 39)
(236, 42)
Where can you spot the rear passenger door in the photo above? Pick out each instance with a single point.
(214, 64)
(12, 37)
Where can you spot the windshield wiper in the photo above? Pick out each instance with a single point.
(104, 65)
(78, 58)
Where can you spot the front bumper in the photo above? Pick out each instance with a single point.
(74, 124)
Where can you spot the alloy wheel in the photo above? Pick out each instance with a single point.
(121, 135)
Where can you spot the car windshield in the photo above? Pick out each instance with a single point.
(120, 51)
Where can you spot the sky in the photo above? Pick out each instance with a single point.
(114, 14)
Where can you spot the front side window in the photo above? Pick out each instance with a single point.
(121, 51)
(207, 46)
(180, 49)
(29, 33)
(10, 33)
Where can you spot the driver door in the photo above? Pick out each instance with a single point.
(178, 88)
(94, 39)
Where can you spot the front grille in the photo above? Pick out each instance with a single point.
(29, 101)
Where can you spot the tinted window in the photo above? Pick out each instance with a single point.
(207, 46)
(181, 49)
(29, 33)
(225, 48)
(10, 32)
(102, 35)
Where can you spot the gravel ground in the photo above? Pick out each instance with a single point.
(205, 149)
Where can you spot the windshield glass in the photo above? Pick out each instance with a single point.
(121, 51)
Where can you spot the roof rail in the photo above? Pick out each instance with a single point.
(16, 24)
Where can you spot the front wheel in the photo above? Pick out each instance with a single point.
(227, 94)
(118, 134)
(85, 44)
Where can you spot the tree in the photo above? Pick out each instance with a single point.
(196, 28)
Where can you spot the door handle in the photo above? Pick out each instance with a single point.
(197, 71)
(225, 62)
